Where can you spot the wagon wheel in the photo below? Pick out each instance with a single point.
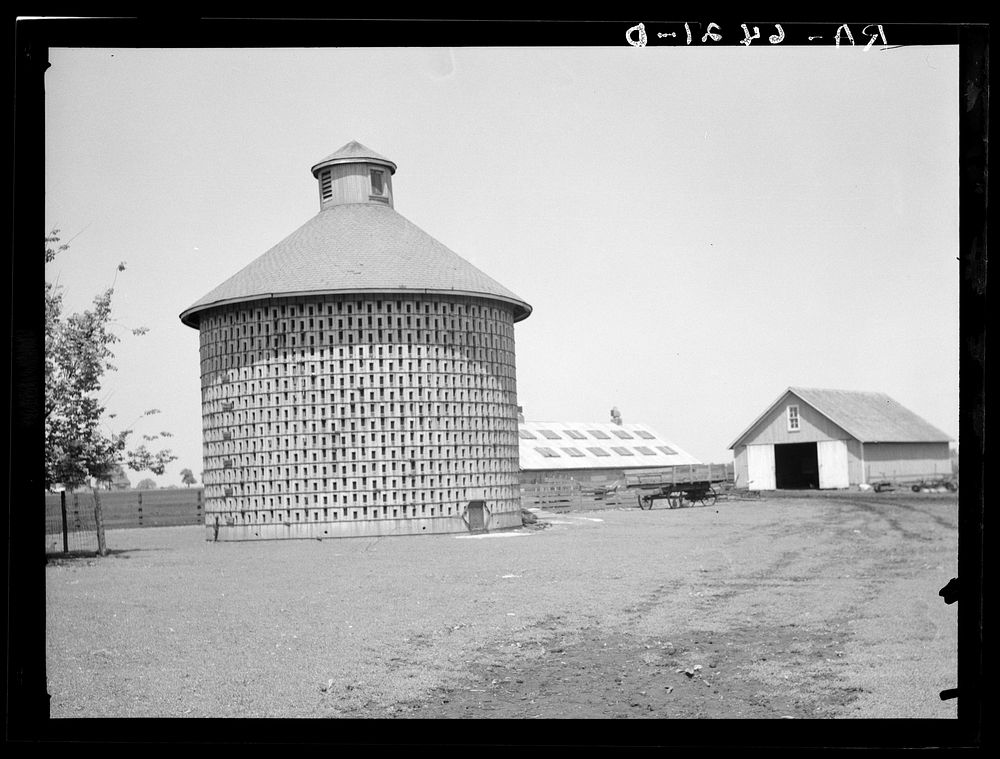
(705, 497)
(645, 502)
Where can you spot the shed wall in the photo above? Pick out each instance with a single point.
(601, 476)
(902, 460)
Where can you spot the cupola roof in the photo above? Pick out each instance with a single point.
(354, 152)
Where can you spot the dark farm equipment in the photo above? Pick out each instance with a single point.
(679, 486)
(928, 484)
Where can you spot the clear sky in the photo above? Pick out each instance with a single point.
(697, 229)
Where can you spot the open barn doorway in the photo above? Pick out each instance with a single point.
(796, 466)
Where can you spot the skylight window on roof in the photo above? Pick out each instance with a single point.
(645, 450)
(645, 435)
(598, 451)
(550, 434)
(574, 434)
(599, 434)
(667, 450)
(575, 452)
(378, 187)
(547, 452)
(622, 434)
(525, 435)
(621, 450)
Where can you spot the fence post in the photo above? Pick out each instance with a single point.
(62, 508)
(139, 493)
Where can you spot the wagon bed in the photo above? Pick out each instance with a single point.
(679, 485)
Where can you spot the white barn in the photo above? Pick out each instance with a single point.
(825, 439)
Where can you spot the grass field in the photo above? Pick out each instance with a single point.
(820, 607)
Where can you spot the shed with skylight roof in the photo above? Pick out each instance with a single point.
(592, 451)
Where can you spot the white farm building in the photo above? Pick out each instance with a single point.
(813, 438)
(591, 453)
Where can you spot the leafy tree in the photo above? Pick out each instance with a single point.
(146, 484)
(78, 353)
(116, 479)
(187, 477)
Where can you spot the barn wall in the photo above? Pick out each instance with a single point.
(901, 460)
(876, 461)
(774, 429)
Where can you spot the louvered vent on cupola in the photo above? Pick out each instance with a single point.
(325, 185)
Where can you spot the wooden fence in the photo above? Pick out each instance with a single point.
(570, 495)
(70, 524)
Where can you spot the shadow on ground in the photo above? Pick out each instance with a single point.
(59, 557)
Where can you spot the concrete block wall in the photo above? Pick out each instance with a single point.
(386, 411)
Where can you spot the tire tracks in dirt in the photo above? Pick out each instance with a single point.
(752, 666)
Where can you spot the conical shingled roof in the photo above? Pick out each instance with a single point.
(351, 248)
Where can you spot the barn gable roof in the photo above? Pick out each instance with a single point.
(869, 417)
(592, 445)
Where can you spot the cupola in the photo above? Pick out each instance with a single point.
(354, 174)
